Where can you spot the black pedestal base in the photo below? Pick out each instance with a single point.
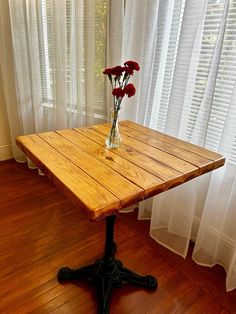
(106, 279)
(107, 273)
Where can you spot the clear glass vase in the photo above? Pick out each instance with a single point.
(113, 139)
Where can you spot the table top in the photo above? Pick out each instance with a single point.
(102, 181)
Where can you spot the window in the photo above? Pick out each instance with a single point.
(226, 71)
(78, 16)
(218, 35)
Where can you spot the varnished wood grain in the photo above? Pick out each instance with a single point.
(165, 158)
(162, 171)
(149, 183)
(201, 151)
(122, 188)
(40, 231)
(69, 179)
(180, 152)
(102, 182)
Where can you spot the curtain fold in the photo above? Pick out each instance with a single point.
(215, 242)
(114, 47)
(186, 88)
(9, 82)
(53, 56)
(138, 44)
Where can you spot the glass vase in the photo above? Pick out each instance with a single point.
(113, 139)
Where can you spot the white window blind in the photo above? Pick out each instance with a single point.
(215, 76)
(226, 71)
(86, 33)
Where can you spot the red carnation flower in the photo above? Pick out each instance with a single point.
(129, 90)
(128, 70)
(133, 65)
(118, 92)
(108, 71)
(117, 71)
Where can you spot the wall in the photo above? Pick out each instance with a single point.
(5, 142)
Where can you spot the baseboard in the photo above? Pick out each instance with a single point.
(5, 152)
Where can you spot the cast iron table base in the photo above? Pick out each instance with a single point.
(107, 272)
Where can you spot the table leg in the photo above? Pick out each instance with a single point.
(107, 273)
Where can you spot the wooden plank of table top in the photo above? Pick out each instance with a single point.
(72, 181)
(201, 151)
(151, 184)
(126, 191)
(171, 161)
(202, 162)
(169, 175)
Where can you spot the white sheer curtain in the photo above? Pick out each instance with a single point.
(52, 57)
(187, 88)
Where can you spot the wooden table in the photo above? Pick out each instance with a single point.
(102, 181)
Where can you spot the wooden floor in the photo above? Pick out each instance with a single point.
(40, 231)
